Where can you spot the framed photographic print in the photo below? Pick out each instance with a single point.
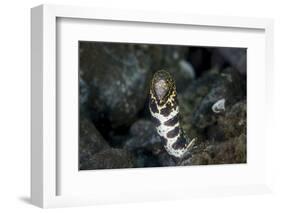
(133, 105)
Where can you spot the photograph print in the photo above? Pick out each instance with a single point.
(152, 105)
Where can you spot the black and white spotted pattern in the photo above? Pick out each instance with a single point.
(164, 109)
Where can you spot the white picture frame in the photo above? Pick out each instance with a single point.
(45, 168)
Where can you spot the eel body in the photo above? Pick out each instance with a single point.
(164, 108)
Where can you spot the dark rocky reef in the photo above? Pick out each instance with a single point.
(147, 146)
(221, 135)
(90, 142)
(228, 152)
(111, 159)
(228, 86)
(116, 130)
(118, 78)
(144, 136)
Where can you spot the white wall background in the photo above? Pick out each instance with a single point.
(15, 105)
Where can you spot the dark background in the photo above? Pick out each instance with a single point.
(115, 125)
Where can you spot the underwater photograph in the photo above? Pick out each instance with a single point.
(152, 105)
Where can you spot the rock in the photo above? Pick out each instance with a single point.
(187, 68)
(118, 76)
(147, 146)
(229, 87)
(90, 142)
(83, 92)
(191, 98)
(227, 152)
(204, 59)
(200, 58)
(145, 158)
(221, 131)
(196, 91)
(173, 60)
(204, 115)
(231, 124)
(203, 158)
(166, 160)
(232, 151)
(237, 57)
(144, 136)
(83, 97)
(183, 74)
(111, 159)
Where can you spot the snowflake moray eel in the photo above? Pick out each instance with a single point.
(164, 108)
